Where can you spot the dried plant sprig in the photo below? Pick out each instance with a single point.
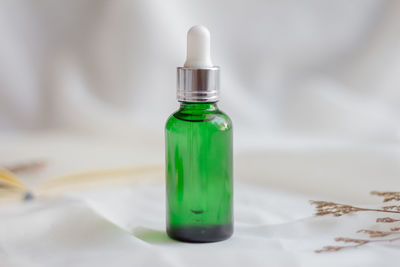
(387, 196)
(374, 233)
(386, 220)
(10, 180)
(357, 243)
(396, 208)
(26, 167)
(337, 209)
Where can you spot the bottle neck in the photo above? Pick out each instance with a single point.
(199, 106)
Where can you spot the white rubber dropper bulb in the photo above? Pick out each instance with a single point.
(198, 48)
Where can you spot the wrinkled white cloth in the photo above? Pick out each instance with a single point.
(125, 226)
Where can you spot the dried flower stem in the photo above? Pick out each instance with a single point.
(388, 196)
(27, 167)
(386, 220)
(357, 243)
(394, 207)
(337, 209)
(374, 233)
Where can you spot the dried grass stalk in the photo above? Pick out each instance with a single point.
(387, 196)
(336, 209)
(387, 220)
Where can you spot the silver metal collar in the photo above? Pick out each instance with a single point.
(197, 85)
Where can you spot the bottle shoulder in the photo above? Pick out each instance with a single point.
(216, 118)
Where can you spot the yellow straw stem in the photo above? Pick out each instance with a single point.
(96, 178)
(10, 179)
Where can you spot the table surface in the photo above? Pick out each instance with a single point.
(122, 223)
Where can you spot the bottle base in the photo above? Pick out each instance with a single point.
(200, 234)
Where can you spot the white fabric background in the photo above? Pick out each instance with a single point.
(311, 87)
(289, 67)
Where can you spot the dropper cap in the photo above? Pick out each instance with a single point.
(198, 48)
(198, 80)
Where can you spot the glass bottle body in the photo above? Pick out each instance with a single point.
(199, 173)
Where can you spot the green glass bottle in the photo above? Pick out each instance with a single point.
(199, 173)
(199, 170)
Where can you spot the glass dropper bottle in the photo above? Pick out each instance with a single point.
(199, 171)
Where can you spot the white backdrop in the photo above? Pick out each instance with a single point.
(289, 68)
